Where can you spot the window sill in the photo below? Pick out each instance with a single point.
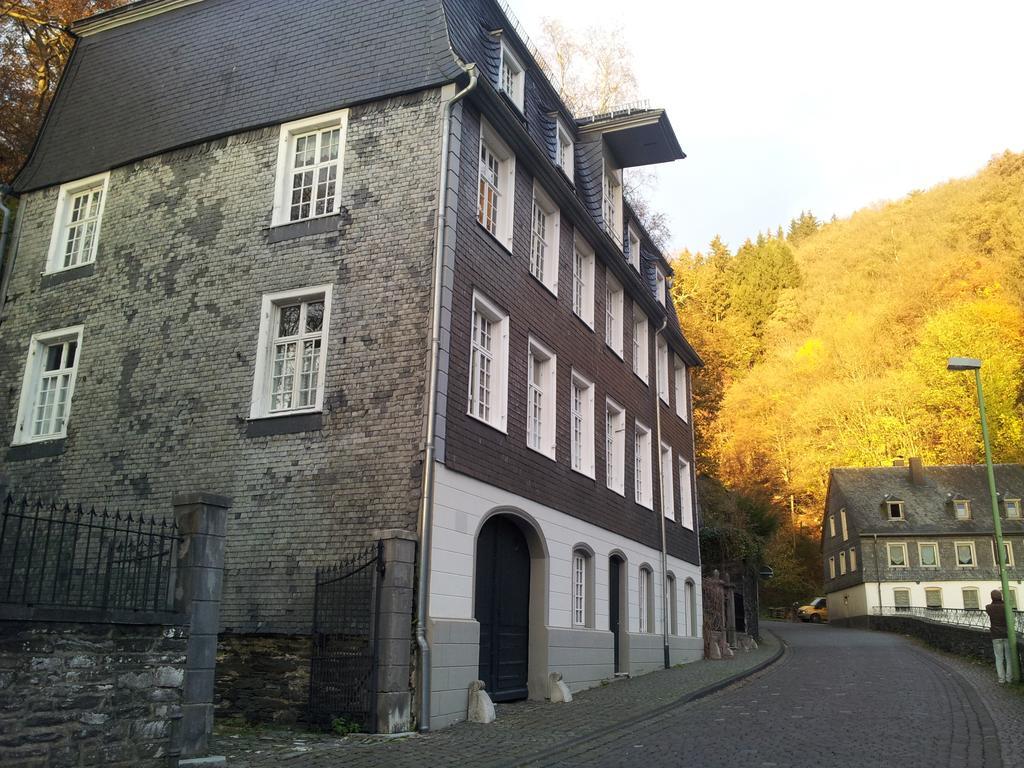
(588, 323)
(583, 472)
(505, 246)
(295, 229)
(614, 351)
(61, 276)
(290, 424)
(495, 427)
(645, 381)
(552, 290)
(621, 493)
(38, 450)
(538, 451)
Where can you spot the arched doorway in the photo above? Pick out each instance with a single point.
(618, 620)
(502, 607)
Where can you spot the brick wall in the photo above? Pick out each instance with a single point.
(171, 319)
(476, 449)
(89, 694)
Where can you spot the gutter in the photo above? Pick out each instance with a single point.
(6, 262)
(426, 510)
(661, 492)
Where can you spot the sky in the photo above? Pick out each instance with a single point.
(828, 106)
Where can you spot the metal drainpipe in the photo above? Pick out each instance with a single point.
(5, 262)
(427, 496)
(661, 486)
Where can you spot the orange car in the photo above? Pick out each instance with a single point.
(815, 612)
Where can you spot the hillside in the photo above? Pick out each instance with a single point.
(827, 346)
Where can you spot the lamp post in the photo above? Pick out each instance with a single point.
(973, 364)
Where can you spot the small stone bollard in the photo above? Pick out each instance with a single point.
(558, 691)
(714, 652)
(481, 708)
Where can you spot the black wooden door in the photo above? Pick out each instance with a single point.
(503, 608)
(613, 605)
(741, 616)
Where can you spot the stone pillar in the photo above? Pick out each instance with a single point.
(394, 631)
(202, 524)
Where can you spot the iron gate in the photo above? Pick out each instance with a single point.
(344, 656)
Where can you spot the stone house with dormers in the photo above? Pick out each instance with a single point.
(918, 537)
(301, 258)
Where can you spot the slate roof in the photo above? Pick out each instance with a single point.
(242, 65)
(928, 507)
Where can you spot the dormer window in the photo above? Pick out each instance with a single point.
(1012, 509)
(962, 509)
(660, 285)
(611, 208)
(633, 248)
(511, 75)
(564, 149)
(894, 509)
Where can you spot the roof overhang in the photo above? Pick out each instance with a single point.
(126, 14)
(636, 138)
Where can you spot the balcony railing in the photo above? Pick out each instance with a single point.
(961, 617)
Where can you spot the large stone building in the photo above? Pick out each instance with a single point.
(298, 254)
(905, 537)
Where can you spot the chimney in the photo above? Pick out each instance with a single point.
(916, 471)
(897, 462)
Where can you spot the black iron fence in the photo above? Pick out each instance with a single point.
(56, 555)
(344, 655)
(961, 617)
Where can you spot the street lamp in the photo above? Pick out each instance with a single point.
(973, 364)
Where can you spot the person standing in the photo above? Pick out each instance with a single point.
(1000, 644)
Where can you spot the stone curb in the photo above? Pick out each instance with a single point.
(686, 698)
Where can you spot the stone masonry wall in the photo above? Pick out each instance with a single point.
(263, 678)
(962, 641)
(89, 694)
(172, 313)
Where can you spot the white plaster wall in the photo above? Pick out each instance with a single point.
(863, 598)
(461, 502)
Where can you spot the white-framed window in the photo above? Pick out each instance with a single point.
(853, 560)
(832, 567)
(1012, 508)
(1007, 553)
(661, 351)
(966, 557)
(292, 352)
(673, 604)
(633, 248)
(613, 314)
(310, 160)
(582, 580)
(962, 509)
(660, 285)
(685, 494)
(76, 223)
(511, 76)
(901, 599)
(611, 201)
(971, 601)
(897, 554)
(496, 185)
(544, 239)
(641, 345)
(642, 490)
(928, 554)
(615, 446)
(682, 389)
(668, 500)
(646, 599)
(933, 598)
(842, 563)
(565, 150)
(488, 365)
(48, 385)
(581, 424)
(894, 509)
(541, 366)
(583, 282)
(842, 524)
(832, 526)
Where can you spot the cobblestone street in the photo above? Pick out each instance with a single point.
(837, 697)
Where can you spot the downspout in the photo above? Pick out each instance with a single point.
(661, 485)
(426, 511)
(6, 262)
